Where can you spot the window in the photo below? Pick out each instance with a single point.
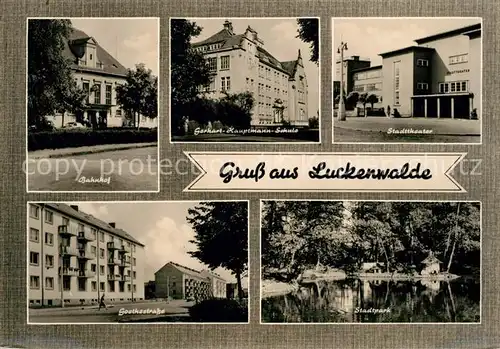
(34, 235)
(34, 282)
(86, 88)
(49, 283)
(359, 88)
(212, 64)
(101, 286)
(108, 94)
(101, 236)
(97, 93)
(133, 261)
(133, 275)
(101, 253)
(93, 233)
(457, 59)
(128, 287)
(225, 83)
(48, 217)
(224, 62)
(49, 239)
(135, 288)
(422, 63)
(65, 221)
(49, 261)
(66, 283)
(34, 258)
(422, 86)
(82, 284)
(93, 267)
(81, 227)
(396, 82)
(34, 211)
(91, 56)
(118, 113)
(93, 286)
(101, 269)
(93, 250)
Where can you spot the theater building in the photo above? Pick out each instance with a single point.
(75, 258)
(439, 77)
(241, 63)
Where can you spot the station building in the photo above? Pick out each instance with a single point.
(75, 258)
(241, 63)
(439, 77)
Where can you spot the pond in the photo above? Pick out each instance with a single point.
(377, 301)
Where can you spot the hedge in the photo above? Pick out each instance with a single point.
(70, 138)
(220, 310)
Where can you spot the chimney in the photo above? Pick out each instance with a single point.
(228, 26)
(356, 58)
(113, 224)
(74, 207)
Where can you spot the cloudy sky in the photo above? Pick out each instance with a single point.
(279, 36)
(368, 37)
(131, 41)
(162, 227)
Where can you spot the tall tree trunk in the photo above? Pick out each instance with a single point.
(448, 240)
(62, 119)
(138, 120)
(240, 288)
(455, 240)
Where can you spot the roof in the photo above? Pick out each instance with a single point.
(111, 66)
(449, 33)
(431, 259)
(405, 50)
(370, 265)
(473, 33)
(89, 219)
(367, 68)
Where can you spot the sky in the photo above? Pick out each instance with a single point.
(160, 226)
(368, 37)
(130, 41)
(280, 40)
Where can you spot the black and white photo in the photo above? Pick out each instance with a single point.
(370, 262)
(407, 80)
(135, 262)
(92, 104)
(245, 80)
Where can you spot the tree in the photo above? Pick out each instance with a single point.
(221, 236)
(235, 109)
(51, 86)
(352, 99)
(372, 99)
(188, 69)
(308, 33)
(363, 99)
(139, 93)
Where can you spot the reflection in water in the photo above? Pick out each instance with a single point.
(354, 300)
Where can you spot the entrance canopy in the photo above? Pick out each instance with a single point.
(458, 105)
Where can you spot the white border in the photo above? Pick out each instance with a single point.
(481, 210)
(158, 117)
(320, 62)
(134, 323)
(481, 116)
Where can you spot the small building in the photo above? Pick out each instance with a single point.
(372, 267)
(431, 265)
(150, 290)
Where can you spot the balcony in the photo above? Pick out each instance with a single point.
(69, 271)
(85, 236)
(65, 230)
(124, 278)
(114, 261)
(125, 262)
(112, 277)
(124, 249)
(113, 246)
(86, 274)
(84, 254)
(68, 251)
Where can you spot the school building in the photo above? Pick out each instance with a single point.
(439, 77)
(75, 258)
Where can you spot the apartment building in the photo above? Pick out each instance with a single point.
(98, 73)
(75, 258)
(439, 77)
(180, 282)
(241, 63)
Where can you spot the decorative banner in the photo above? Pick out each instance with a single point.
(337, 172)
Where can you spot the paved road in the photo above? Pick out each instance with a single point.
(175, 310)
(121, 170)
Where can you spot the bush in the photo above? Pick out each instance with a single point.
(220, 310)
(69, 138)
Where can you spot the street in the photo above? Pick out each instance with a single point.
(117, 170)
(406, 130)
(174, 310)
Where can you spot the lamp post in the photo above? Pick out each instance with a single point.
(341, 111)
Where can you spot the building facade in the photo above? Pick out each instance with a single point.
(179, 282)
(98, 73)
(240, 63)
(351, 64)
(439, 77)
(75, 258)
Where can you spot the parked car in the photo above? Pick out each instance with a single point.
(74, 125)
(44, 125)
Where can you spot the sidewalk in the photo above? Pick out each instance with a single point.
(447, 127)
(66, 152)
(71, 308)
